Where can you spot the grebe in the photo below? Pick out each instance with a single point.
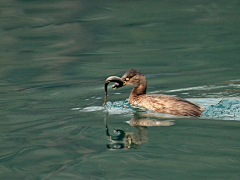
(158, 102)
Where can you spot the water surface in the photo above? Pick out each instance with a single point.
(55, 56)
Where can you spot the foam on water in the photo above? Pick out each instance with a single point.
(119, 107)
(92, 109)
(226, 109)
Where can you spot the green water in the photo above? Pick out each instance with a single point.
(54, 58)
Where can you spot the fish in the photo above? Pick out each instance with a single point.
(118, 83)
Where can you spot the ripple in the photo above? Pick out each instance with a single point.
(226, 109)
(92, 109)
(197, 88)
(118, 107)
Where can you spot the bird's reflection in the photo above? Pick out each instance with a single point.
(128, 140)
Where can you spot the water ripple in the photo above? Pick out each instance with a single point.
(118, 107)
(226, 109)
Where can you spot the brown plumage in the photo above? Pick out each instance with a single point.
(158, 102)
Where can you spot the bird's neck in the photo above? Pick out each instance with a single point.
(140, 89)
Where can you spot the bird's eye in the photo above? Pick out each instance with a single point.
(127, 79)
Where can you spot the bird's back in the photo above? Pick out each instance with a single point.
(167, 104)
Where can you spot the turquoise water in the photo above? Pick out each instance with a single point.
(55, 57)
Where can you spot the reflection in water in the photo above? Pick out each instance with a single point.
(128, 140)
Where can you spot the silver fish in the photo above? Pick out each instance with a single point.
(119, 83)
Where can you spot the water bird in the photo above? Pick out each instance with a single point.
(161, 103)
